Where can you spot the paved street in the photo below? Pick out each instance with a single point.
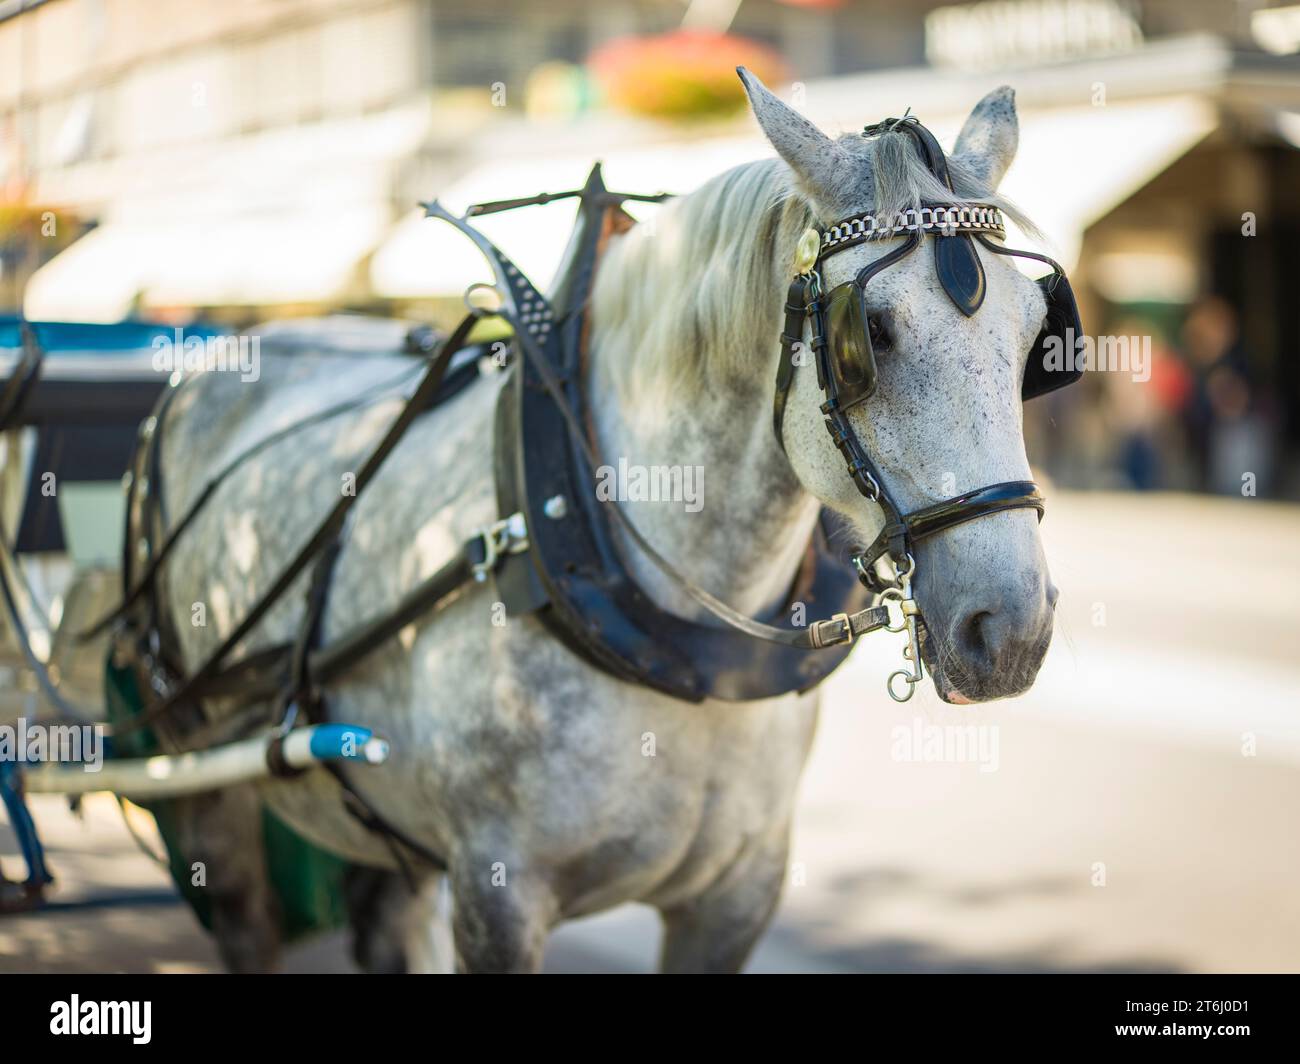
(1138, 812)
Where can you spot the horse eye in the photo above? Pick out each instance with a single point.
(880, 338)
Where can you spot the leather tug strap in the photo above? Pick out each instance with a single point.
(325, 532)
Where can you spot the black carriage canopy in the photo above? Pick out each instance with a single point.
(84, 388)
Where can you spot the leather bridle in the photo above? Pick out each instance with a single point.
(961, 274)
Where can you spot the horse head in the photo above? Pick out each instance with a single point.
(950, 344)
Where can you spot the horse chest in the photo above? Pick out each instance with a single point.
(670, 795)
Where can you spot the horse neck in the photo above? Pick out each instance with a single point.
(745, 534)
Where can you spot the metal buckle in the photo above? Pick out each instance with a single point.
(848, 628)
(820, 641)
(507, 536)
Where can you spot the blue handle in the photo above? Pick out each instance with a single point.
(340, 742)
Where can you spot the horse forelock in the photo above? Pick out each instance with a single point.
(893, 178)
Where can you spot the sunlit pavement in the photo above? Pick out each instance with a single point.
(1139, 814)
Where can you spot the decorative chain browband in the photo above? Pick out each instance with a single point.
(929, 219)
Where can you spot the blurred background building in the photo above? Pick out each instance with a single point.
(243, 159)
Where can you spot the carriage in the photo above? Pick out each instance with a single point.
(73, 397)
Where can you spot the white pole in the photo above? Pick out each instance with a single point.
(169, 775)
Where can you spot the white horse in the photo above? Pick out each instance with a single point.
(524, 765)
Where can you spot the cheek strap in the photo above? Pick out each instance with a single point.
(796, 310)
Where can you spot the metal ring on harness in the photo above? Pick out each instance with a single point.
(477, 310)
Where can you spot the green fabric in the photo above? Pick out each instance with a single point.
(307, 879)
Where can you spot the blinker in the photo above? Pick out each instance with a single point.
(853, 361)
(1052, 362)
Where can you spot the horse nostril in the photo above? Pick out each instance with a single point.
(997, 647)
(1053, 593)
(973, 635)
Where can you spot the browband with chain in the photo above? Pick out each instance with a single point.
(932, 218)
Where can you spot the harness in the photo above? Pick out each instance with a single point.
(553, 551)
(573, 577)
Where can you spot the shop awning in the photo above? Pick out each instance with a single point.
(1075, 165)
(96, 279)
(282, 216)
(121, 267)
(423, 258)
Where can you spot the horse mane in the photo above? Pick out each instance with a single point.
(692, 298)
(685, 299)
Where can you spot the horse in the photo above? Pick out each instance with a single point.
(552, 789)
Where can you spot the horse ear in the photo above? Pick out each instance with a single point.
(987, 142)
(816, 159)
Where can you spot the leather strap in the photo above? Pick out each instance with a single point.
(23, 376)
(156, 558)
(261, 673)
(334, 659)
(368, 817)
(992, 499)
(796, 310)
(897, 535)
(326, 531)
(866, 477)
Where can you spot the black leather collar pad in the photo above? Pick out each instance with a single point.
(578, 584)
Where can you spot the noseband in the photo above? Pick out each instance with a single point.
(846, 372)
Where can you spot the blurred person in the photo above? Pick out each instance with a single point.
(1228, 418)
(1141, 416)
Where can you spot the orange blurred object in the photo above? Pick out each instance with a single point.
(683, 74)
